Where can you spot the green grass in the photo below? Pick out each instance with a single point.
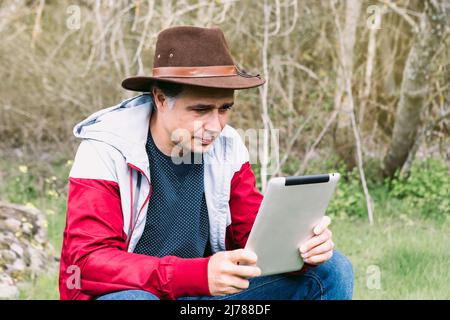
(44, 287)
(407, 247)
(411, 256)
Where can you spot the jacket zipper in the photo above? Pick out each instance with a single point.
(133, 203)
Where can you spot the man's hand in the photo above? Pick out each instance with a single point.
(319, 248)
(229, 271)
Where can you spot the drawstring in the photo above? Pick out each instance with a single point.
(133, 216)
(138, 189)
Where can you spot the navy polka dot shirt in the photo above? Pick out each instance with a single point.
(177, 219)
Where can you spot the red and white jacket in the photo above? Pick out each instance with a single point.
(109, 192)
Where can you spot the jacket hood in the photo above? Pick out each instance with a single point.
(125, 127)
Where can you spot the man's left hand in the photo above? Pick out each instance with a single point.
(319, 248)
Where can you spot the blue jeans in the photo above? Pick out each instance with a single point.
(332, 280)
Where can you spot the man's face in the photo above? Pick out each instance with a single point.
(197, 117)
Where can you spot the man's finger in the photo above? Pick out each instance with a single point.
(322, 225)
(316, 240)
(314, 260)
(242, 256)
(231, 290)
(239, 283)
(320, 249)
(246, 271)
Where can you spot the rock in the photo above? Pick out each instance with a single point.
(27, 228)
(24, 249)
(8, 289)
(7, 256)
(37, 260)
(17, 249)
(13, 224)
(18, 265)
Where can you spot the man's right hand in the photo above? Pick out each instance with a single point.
(229, 271)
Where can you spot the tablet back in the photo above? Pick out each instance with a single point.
(291, 208)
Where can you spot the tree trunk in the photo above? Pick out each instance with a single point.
(346, 44)
(414, 88)
(344, 142)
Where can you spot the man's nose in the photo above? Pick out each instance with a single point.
(214, 123)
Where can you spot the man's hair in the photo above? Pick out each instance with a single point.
(171, 90)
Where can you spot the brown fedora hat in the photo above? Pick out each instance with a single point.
(194, 56)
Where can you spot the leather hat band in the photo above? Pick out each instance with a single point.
(195, 72)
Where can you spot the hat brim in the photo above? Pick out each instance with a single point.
(143, 84)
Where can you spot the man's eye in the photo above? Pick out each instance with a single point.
(224, 109)
(201, 111)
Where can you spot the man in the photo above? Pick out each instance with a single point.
(162, 196)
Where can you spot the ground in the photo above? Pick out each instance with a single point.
(410, 256)
(404, 255)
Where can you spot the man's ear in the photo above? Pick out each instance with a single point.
(159, 98)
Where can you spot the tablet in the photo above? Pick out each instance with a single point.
(291, 208)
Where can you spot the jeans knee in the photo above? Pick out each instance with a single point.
(342, 272)
(344, 265)
(335, 277)
(129, 295)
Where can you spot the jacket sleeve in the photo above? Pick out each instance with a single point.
(95, 243)
(244, 203)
